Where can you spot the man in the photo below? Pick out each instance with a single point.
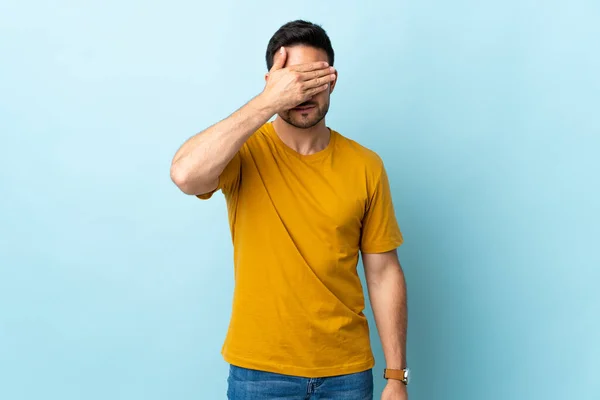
(302, 201)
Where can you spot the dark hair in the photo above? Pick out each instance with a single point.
(299, 32)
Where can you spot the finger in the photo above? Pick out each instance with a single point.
(324, 80)
(318, 73)
(317, 90)
(279, 59)
(310, 66)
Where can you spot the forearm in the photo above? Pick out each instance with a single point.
(201, 159)
(387, 291)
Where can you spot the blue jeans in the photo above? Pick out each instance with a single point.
(248, 384)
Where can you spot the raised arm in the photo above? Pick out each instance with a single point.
(199, 162)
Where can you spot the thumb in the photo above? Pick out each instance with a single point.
(279, 60)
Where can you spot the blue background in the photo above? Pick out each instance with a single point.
(114, 285)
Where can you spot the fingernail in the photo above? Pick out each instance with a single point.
(332, 69)
(281, 50)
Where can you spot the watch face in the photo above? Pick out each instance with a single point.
(407, 375)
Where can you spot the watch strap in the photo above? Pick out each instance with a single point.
(397, 374)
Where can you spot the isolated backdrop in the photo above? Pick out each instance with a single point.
(113, 285)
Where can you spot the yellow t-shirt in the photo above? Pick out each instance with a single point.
(297, 224)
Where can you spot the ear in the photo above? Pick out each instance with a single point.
(332, 84)
(266, 77)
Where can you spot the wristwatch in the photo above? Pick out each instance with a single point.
(403, 375)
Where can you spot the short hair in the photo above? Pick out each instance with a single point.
(299, 32)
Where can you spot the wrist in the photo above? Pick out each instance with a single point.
(396, 382)
(264, 105)
(401, 375)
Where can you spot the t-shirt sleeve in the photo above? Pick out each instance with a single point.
(229, 180)
(380, 230)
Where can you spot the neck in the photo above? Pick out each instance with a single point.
(304, 141)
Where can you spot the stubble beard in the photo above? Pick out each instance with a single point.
(297, 120)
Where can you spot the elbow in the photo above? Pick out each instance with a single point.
(182, 179)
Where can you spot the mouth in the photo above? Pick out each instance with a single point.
(304, 108)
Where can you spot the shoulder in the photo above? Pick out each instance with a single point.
(359, 155)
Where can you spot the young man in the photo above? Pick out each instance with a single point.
(302, 200)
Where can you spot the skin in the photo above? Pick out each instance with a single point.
(312, 112)
(297, 90)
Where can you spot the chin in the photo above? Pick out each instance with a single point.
(302, 123)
